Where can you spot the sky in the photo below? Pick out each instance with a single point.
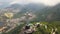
(46, 2)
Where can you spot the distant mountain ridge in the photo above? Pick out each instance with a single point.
(30, 5)
(38, 9)
(24, 8)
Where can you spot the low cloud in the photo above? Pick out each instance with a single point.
(46, 2)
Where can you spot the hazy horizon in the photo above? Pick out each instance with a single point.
(45, 2)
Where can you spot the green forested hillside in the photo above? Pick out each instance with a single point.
(41, 29)
(49, 16)
(48, 13)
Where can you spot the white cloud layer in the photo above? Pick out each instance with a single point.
(46, 2)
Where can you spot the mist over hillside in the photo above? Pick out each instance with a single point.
(22, 8)
(41, 18)
(44, 13)
(41, 10)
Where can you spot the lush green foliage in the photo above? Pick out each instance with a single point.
(40, 30)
